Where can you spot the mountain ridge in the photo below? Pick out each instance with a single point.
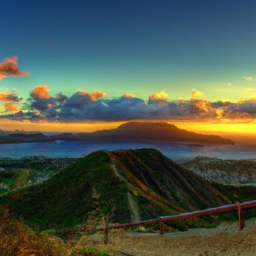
(128, 132)
(107, 182)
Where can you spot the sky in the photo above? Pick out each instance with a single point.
(91, 64)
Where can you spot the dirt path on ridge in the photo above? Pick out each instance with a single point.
(225, 240)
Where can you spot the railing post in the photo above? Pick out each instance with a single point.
(106, 234)
(161, 226)
(240, 217)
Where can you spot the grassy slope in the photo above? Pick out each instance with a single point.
(236, 193)
(67, 198)
(178, 188)
(100, 182)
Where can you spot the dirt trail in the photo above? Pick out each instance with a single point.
(224, 240)
(134, 208)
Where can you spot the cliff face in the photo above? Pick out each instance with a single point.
(127, 185)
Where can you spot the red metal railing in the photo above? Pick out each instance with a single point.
(161, 220)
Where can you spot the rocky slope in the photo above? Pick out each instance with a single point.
(223, 171)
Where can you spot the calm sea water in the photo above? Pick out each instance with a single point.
(81, 148)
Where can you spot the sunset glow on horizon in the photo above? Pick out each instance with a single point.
(241, 133)
(190, 64)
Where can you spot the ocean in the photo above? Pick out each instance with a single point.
(81, 148)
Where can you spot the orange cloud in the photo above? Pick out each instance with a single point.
(41, 92)
(82, 105)
(9, 67)
(2, 76)
(94, 96)
(161, 96)
(203, 105)
(11, 107)
(129, 95)
(8, 96)
(196, 94)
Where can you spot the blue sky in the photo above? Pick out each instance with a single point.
(135, 46)
(188, 62)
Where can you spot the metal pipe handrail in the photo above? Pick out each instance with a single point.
(226, 208)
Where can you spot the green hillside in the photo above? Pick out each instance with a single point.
(125, 185)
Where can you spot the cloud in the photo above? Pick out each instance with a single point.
(96, 95)
(93, 96)
(44, 104)
(21, 116)
(83, 108)
(82, 98)
(8, 96)
(129, 96)
(124, 109)
(248, 78)
(40, 92)
(157, 97)
(9, 67)
(196, 94)
(11, 107)
(86, 106)
(244, 109)
(2, 76)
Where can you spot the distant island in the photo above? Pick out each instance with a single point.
(128, 132)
